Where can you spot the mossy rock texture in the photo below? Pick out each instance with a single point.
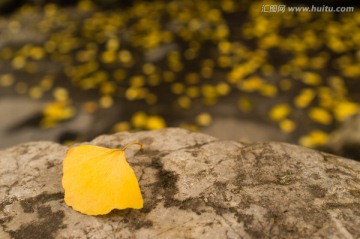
(194, 186)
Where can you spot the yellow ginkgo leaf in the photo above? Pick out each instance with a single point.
(279, 112)
(97, 180)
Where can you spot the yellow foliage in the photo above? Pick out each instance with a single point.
(6, 80)
(351, 71)
(326, 97)
(47, 82)
(268, 90)
(223, 88)
(82, 49)
(107, 88)
(314, 138)
(312, 78)
(135, 93)
(35, 92)
(301, 61)
(106, 102)
(108, 56)
(237, 73)
(18, 62)
(279, 112)
(122, 126)
(193, 91)
(203, 119)
(177, 88)
(224, 46)
(137, 81)
(304, 98)
(184, 102)
(139, 119)
(85, 5)
(320, 115)
(155, 122)
(209, 91)
(55, 112)
(251, 84)
(153, 79)
(148, 68)
(125, 57)
(337, 83)
(97, 180)
(345, 109)
(61, 94)
(287, 125)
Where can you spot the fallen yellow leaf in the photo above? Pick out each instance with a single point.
(304, 98)
(344, 109)
(279, 112)
(314, 139)
(320, 115)
(287, 125)
(97, 180)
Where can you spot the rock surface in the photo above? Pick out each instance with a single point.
(194, 186)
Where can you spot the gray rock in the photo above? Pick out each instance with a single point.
(194, 186)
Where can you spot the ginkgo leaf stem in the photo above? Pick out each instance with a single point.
(130, 144)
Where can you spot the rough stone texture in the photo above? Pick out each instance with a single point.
(194, 186)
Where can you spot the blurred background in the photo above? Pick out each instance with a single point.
(72, 70)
